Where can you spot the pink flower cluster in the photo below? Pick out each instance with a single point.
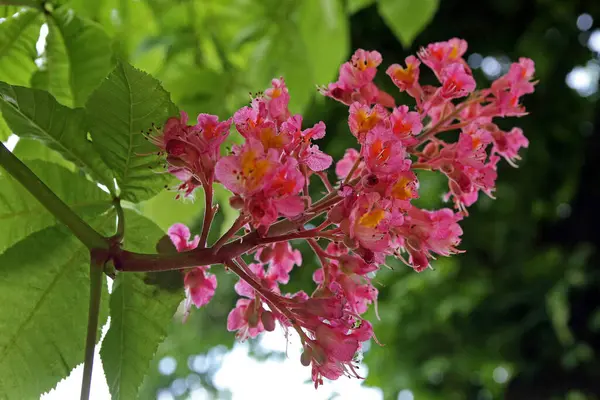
(368, 214)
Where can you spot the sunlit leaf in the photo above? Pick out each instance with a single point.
(21, 214)
(140, 314)
(31, 149)
(33, 113)
(127, 103)
(18, 35)
(78, 56)
(44, 289)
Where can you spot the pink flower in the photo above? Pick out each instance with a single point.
(200, 287)
(439, 55)
(282, 258)
(364, 118)
(278, 100)
(355, 82)
(407, 79)
(246, 319)
(368, 223)
(508, 144)
(383, 153)
(180, 236)
(343, 167)
(427, 232)
(406, 124)
(456, 81)
(245, 171)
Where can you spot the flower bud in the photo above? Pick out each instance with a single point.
(431, 150)
(306, 356)
(350, 242)
(370, 181)
(266, 254)
(268, 321)
(236, 202)
(336, 214)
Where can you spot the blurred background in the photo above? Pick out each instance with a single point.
(518, 315)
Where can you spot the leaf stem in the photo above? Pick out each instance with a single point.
(96, 275)
(86, 234)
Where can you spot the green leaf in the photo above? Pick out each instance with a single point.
(140, 315)
(28, 3)
(292, 64)
(127, 103)
(407, 18)
(354, 6)
(320, 19)
(33, 113)
(165, 210)
(18, 35)
(31, 149)
(5, 131)
(44, 289)
(77, 57)
(21, 214)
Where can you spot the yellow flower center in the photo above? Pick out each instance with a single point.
(270, 139)
(253, 169)
(401, 189)
(372, 219)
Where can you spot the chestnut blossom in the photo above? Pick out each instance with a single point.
(368, 215)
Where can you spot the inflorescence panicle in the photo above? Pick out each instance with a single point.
(368, 214)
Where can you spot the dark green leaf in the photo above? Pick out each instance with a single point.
(33, 113)
(77, 57)
(125, 105)
(18, 35)
(21, 214)
(44, 289)
(140, 315)
(407, 18)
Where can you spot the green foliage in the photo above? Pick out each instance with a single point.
(31, 149)
(127, 104)
(44, 289)
(4, 130)
(407, 18)
(72, 68)
(21, 214)
(33, 113)
(18, 35)
(140, 314)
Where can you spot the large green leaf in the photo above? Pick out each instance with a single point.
(21, 214)
(18, 35)
(31, 149)
(4, 130)
(35, 114)
(44, 290)
(140, 315)
(319, 19)
(127, 103)
(407, 18)
(77, 57)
